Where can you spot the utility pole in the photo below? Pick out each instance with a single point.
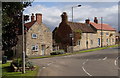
(101, 32)
(23, 52)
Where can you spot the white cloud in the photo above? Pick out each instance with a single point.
(51, 15)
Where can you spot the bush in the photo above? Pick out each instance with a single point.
(57, 52)
(18, 63)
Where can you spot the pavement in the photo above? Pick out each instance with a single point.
(97, 63)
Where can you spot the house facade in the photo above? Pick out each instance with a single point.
(80, 36)
(38, 38)
(105, 33)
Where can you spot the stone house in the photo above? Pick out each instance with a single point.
(105, 33)
(66, 36)
(38, 38)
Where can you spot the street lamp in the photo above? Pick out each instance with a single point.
(72, 10)
(72, 34)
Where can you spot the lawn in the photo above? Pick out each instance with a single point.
(0, 70)
(90, 50)
(6, 73)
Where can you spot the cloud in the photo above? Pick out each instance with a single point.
(51, 15)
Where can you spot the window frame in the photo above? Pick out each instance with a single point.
(33, 35)
(36, 48)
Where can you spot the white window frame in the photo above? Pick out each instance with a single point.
(79, 42)
(33, 35)
(36, 48)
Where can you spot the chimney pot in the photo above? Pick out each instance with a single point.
(95, 20)
(87, 21)
(32, 17)
(64, 17)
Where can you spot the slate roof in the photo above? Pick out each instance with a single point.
(80, 26)
(104, 26)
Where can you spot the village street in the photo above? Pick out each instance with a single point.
(97, 63)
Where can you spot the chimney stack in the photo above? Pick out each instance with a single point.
(32, 18)
(64, 17)
(39, 18)
(96, 20)
(87, 21)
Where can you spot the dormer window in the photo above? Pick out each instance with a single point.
(34, 35)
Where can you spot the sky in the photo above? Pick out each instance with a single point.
(51, 12)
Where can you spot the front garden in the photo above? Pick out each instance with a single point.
(14, 69)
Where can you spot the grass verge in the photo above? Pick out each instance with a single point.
(90, 50)
(6, 73)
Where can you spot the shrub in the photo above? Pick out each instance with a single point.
(57, 52)
(18, 63)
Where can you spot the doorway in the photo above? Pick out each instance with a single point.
(43, 49)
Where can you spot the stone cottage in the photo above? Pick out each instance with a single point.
(105, 33)
(77, 36)
(38, 38)
(73, 35)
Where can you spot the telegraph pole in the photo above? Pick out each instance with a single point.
(101, 32)
(23, 52)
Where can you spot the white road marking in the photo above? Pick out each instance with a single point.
(84, 63)
(84, 68)
(49, 64)
(43, 67)
(105, 58)
(86, 71)
(115, 62)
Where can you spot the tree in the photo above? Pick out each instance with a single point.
(12, 24)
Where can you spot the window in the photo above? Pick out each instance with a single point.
(107, 33)
(107, 40)
(78, 42)
(34, 35)
(113, 40)
(35, 48)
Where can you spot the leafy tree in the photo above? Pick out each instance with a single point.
(12, 24)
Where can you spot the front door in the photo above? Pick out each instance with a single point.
(98, 41)
(43, 49)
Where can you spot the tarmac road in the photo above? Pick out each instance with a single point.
(97, 63)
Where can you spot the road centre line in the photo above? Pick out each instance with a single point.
(84, 68)
(105, 58)
(86, 71)
(115, 62)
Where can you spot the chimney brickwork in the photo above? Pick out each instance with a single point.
(64, 17)
(39, 18)
(96, 20)
(32, 18)
(87, 21)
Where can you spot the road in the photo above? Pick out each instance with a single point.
(97, 63)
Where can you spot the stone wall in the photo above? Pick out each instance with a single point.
(44, 37)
